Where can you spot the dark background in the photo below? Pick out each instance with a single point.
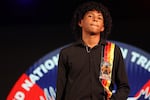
(29, 29)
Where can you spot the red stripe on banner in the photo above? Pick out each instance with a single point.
(145, 90)
(24, 89)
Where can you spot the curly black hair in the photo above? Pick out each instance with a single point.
(89, 6)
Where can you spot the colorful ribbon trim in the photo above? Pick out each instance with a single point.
(106, 68)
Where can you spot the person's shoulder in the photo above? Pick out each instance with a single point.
(68, 47)
(109, 41)
(116, 46)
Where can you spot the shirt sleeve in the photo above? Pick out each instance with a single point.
(61, 77)
(121, 79)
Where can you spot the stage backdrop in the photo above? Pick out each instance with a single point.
(39, 81)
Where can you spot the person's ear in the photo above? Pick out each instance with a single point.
(102, 29)
(80, 24)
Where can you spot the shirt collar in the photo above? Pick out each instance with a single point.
(80, 42)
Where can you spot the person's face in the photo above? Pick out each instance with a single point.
(92, 22)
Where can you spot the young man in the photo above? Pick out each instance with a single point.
(89, 68)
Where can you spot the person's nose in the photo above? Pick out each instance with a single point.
(95, 19)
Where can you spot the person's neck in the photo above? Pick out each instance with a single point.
(91, 40)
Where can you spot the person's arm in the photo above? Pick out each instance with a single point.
(121, 78)
(61, 77)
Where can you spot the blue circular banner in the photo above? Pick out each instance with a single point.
(39, 81)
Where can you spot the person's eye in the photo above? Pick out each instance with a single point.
(99, 18)
(89, 15)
